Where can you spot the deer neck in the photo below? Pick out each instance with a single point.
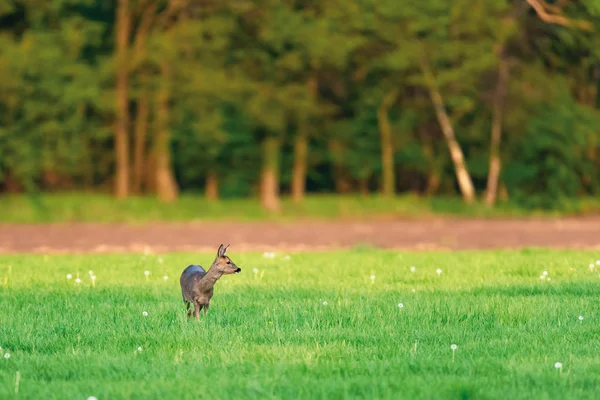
(212, 275)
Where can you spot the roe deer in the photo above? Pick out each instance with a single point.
(197, 284)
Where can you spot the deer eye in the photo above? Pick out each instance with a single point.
(228, 262)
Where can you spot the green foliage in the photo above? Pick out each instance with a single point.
(51, 96)
(550, 162)
(295, 329)
(241, 71)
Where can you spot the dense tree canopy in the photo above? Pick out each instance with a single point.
(240, 98)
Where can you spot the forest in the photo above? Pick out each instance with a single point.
(484, 100)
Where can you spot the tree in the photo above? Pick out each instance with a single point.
(142, 71)
(236, 98)
(122, 99)
(387, 144)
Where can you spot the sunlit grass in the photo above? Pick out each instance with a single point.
(316, 325)
(78, 207)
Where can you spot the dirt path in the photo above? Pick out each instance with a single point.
(440, 234)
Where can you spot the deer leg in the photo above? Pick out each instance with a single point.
(205, 308)
(197, 308)
(187, 305)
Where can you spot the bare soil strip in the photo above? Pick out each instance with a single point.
(439, 234)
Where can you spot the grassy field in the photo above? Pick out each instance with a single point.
(311, 326)
(103, 208)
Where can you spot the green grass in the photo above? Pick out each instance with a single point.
(77, 207)
(269, 335)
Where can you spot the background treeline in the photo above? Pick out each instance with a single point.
(485, 99)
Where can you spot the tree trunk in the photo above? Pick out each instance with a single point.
(387, 145)
(462, 174)
(503, 193)
(495, 162)
(143, 106)
(433, 176)
(166, 186)
(363, 186)
(269, 187)
(336, 150)
(122, 99)
(301, 148)
(211, 190)
(300, 165)
(141, 132)
(149, 175)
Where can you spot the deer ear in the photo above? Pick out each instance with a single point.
(225, 249)
(220, 252)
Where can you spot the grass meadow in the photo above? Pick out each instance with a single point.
(311, 326)
(77, 207)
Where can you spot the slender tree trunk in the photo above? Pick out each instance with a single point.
(211, 190)
(336, 150)
(141, 132)
(363, 185)
(462, 174)
(387, 145)
(433, 176)
(495, 162)
(503, 192)
(122, 98)
(149, 175)
(143, 106)
(597, 97)
(269, 187)
(300, 167)
(300, 164)
(166, 186)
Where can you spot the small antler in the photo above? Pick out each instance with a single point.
(222, 250)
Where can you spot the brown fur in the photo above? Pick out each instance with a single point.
(197, 284)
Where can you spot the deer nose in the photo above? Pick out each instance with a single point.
(237, 271)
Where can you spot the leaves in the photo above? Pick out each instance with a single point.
(243, 70)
